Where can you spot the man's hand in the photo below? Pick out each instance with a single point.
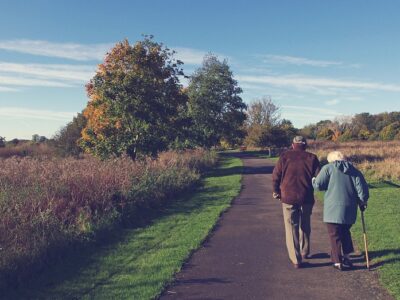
(276, 196)
(363, 206)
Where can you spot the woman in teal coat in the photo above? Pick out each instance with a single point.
(346, 189)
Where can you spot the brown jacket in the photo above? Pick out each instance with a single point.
(292, 176)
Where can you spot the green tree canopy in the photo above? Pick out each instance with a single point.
(216, 109)
(66, 140)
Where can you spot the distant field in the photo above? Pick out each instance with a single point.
(378, 160)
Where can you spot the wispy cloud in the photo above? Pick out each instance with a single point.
(74, 73)
(190, 56)
(298, 81)
(332, 102)
(87, 52)
(299, 61)
(7, 89)
(73, 51)
(28, 113)
(307, 113)
(27, 81)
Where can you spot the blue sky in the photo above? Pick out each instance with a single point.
(316, 59)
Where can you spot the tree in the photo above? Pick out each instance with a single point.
(15, 142)
(275, 136)
(2, 142)
(38, 138)
(264, 125)
(390, 131)
(339, 126)
(66, 140)
(216, 109)
(263, 112)
(309, 131)
(35, 138)
(363, 122)
(325, 134)
(136, 101)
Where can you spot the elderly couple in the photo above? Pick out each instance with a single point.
(295, 176)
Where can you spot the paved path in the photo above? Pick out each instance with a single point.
(246, 258)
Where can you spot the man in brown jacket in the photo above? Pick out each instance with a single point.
(291, 181)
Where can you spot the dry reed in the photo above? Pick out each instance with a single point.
(379, 160)
(47, 204)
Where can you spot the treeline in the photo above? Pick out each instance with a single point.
(138, 105)
(364, 126)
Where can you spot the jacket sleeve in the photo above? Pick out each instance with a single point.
(277, 177)
(361, 188)
(322, 181)
(316, 166)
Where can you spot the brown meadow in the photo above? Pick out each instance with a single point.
(379, 160)
(50, 204)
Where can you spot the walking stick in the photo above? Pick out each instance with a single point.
(365, 239)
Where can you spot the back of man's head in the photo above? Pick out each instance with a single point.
(299, 142)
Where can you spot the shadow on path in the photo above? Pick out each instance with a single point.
(394, 253)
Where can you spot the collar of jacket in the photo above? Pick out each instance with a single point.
(299, 147)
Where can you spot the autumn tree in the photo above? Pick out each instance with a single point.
(136, 101)
(215, 105)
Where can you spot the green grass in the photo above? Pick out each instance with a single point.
(140, 262)
(383, 232)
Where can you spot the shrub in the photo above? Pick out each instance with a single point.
(50, 204)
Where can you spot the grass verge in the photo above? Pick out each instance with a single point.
(383, 232)
(140, 262)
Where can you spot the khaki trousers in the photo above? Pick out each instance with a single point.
(297, 219)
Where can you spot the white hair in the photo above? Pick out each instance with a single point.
(335, 155)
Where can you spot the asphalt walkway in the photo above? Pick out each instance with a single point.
(246, 257)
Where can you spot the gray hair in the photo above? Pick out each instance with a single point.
(335, 155)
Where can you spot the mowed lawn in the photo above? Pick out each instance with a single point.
(143, 260)
(382, 219)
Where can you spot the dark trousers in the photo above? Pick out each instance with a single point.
(340, 238)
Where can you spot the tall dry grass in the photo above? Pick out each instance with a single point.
(379, 160)
(28, 149)
(49, 204)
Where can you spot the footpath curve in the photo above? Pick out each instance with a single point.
(245, 257)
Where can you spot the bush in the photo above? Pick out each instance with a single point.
(47, 205)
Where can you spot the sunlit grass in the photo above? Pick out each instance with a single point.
(383, 232)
